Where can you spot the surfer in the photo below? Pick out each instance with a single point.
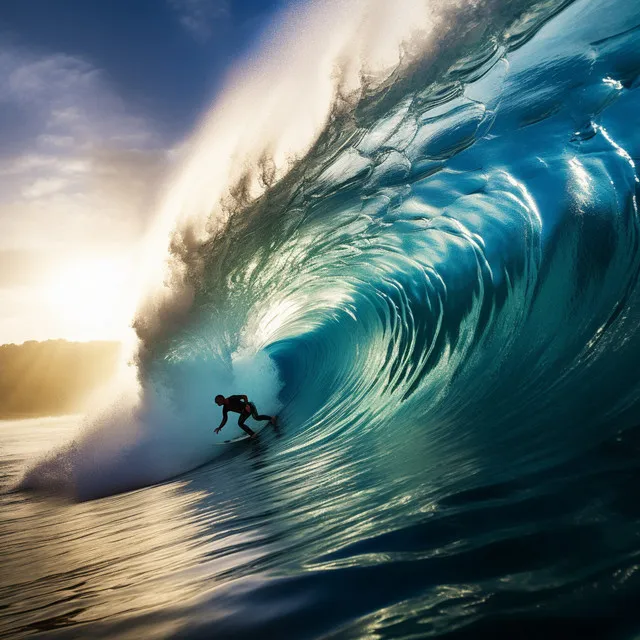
(240, 404)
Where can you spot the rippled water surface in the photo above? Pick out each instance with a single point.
(251, 546)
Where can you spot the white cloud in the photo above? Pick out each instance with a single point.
(199, 17)
(44, 187)
(86, 165)
(24, 163)
(45, 78)
(48, 140)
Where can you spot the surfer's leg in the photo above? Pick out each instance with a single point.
(254, 413)
(250, 432)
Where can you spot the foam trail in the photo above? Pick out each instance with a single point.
(160, 433)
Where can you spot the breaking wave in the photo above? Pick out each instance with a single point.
(415, 238)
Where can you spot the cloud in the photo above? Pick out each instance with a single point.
(46, 78)
(48, 140)
(67, 97)
(44, 187)
(199, 17)
(83, 166)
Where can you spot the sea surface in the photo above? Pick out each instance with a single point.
(428, 267)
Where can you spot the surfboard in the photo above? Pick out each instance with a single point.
(243, 436)
(239, 438)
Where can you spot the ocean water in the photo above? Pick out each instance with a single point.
(427, 265)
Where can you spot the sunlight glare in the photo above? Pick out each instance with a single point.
(92, 298)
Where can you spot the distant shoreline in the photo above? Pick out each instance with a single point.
(53, 378)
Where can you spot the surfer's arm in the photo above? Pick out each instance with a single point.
(224, 420)
(244, 399)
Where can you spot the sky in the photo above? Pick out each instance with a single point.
(96, 100)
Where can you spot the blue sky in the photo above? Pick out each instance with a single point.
(165, 57)
(95, 99)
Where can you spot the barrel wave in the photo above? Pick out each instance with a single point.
(436, 287)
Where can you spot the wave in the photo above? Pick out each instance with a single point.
(421, 230)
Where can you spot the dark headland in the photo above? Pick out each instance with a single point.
(53, 377)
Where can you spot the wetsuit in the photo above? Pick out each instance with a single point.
(241, 405)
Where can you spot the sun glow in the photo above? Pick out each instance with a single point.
(92, 299)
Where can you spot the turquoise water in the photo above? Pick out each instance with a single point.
(440, 300)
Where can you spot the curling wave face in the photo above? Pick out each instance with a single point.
(448, 273)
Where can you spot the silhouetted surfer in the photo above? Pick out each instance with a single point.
(241, 405)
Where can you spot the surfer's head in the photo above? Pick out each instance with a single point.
(219, 400)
